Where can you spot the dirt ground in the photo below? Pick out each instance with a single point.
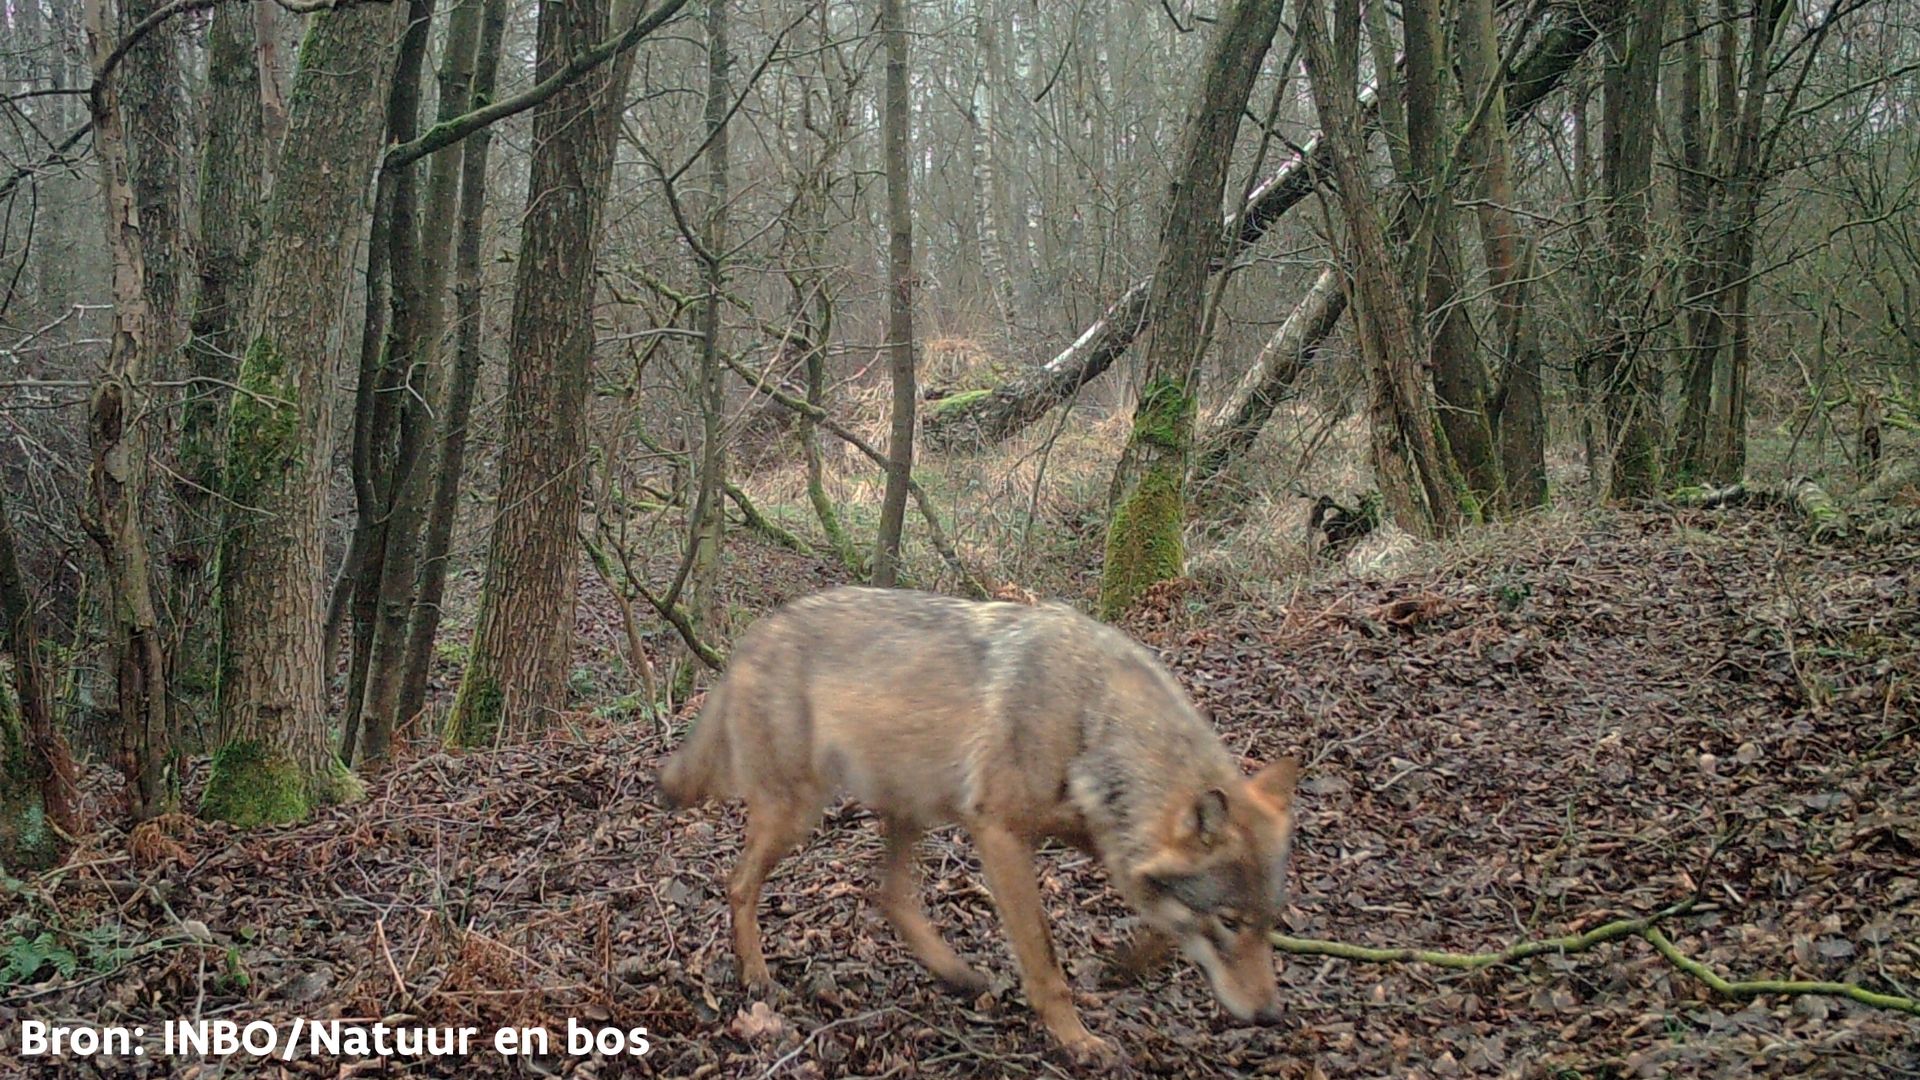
(1551, 728)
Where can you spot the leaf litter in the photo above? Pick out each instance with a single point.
(1564, 725)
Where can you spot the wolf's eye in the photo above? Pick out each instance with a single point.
(1229, 923)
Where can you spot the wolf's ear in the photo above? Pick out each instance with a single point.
(1209, 815)
(1274, 784)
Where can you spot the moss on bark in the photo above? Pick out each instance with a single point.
(477, 711)
(263, 436)
(252, 784)
(954, 404)
(1144, 536)
(1143, 541)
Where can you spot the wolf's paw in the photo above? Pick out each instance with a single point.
(1093, 1052)
(757, 982)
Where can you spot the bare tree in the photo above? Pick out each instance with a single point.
(1148, 497)
(117, 516)
(900, 341)
(457, 408)
(1414, 472)
(516, 679)
(1628, 372)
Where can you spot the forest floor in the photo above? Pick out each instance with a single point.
(1551, 727)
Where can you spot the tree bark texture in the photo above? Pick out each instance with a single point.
(1516, 406)
(1147, 503)
(232, 170)
(274, 760)
(1629, 374)
(117, 517)
(1414, 473)
(457, 409)
(516, 681)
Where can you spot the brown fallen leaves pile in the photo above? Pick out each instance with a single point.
(1556, 728)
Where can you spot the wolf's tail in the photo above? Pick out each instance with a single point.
(699, 769)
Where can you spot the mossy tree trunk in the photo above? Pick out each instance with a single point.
(36, 774)
(516, 680)
(275, 759)
(231, 173)
(450, 464)
(117, 517)
(1147, 502)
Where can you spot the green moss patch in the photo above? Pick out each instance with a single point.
(251, 784)
(475, 719)
(1143, 541)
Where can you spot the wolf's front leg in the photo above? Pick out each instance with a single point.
(1008, 861)
(773, 828)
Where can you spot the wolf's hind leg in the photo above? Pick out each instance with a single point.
(774, 827)
(1008, 861)
(900, 901)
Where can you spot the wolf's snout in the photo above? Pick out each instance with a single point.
(1267, 1015)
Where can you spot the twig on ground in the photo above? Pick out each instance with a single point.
(1645, 927)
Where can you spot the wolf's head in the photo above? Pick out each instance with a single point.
(1218, 880)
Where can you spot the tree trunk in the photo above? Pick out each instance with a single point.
(36, 774)
(422, 237)
(274, 761)
(900, 343)
(116, 517)
(708, 520)
(1629, 374)
(1459, 376)
(994, 264)
(1700, 313)
(1000, 412)
(516, 681)
(231, 175)
(1750, 162)
(1147, 503)
(1415, 474)
(387, 418)
(458, 407)
(156, 138)
(1270, 380)
(1520, 417)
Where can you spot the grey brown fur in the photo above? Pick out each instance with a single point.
(1019, 723)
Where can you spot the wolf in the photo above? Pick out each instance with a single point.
(1019, 723)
